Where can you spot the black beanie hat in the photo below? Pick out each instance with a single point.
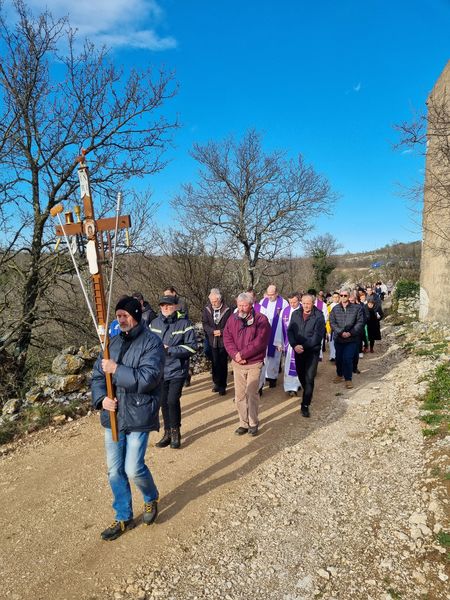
(132, 306)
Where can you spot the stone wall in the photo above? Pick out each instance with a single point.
(435, 262)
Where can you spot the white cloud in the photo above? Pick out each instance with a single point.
(357, 87)
(112, 22)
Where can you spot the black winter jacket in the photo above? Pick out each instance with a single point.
(209, 326)
(349, 319)
(137, 380)
(177, 333)
(309, 333)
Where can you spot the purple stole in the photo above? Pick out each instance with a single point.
(276, 317)
(285, 320)
(257, 307)
(319, 304)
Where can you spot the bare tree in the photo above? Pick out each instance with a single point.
(258, 204)
(54, 100)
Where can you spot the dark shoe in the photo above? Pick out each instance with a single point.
(187, 383)
(371, 352)
(292, 394)
(241, 430)
(175, 437)
(253, 430)
(272, 383)
(165, 440)
(357, 371)
(222, 391)
(150, 512)
(116, 529)
(305, 411)
(260, 392)
(215, 388)
(332, 360)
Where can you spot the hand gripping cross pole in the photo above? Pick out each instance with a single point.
(93, 229)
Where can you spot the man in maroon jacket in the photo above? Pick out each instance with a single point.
(246, 336)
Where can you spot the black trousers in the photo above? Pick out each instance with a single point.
(170, 402)
(219, 367)
(306, 365)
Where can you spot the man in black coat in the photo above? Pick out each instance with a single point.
(136, 366)
(305, 335)
(214, 317)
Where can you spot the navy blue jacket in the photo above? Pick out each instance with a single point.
(309, 333)
(137, 380)
(178, 334)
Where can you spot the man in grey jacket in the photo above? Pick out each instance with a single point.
(136, 366)
(347, 323)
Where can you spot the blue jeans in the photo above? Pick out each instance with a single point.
(125, 461)
(344, 359)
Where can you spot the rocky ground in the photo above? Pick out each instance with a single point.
(345, 505)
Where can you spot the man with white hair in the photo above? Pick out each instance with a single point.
(246, 336)
(272, 307)
(214, 318)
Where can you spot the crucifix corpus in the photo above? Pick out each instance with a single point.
(93, 231)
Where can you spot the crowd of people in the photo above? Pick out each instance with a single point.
(149, 357)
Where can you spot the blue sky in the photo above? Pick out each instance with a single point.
(327, 79)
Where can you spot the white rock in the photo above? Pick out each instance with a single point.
(416, 533)
(324, 574)
(417, 518)
(442, 576)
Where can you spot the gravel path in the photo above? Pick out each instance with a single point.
(342, 505)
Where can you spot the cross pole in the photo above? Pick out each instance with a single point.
(92, 229)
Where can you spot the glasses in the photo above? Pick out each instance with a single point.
(343, 295)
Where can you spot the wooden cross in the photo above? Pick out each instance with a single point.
(93, 230)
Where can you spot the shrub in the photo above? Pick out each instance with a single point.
(406, 288)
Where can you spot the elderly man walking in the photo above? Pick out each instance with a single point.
(347, 323)
(136, 366)
(246, 336)
(214, 318)
(305, 333)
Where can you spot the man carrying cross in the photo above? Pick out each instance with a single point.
(136, 364)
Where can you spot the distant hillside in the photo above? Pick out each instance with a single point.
(391, 262)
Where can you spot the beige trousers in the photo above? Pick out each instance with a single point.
(246, 389)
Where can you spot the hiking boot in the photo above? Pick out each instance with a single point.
(165, 440)
(116, 529)
(253, 430)
(349, 385)
(150, 512)
(175, 437)
(305, 411)
(338, 379)
(241, 430)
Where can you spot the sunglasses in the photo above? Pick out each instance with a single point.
(343, 295)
